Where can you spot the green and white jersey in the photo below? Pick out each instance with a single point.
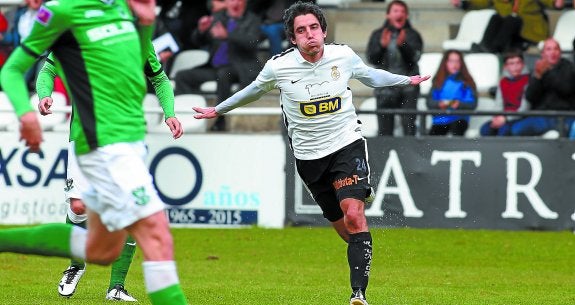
(98, 46)
(152, 69)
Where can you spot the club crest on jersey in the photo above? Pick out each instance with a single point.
(44, 15)
(315, 108)
(334, 73)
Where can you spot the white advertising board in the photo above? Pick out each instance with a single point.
(206, 180)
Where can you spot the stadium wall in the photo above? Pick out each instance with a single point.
(230, 180)
(206, 180)
(440, 182)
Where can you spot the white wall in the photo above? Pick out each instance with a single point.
(238, 173)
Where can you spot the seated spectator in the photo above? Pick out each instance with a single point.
(510, 96)
(231, 36)
(179, 18)
(452, 88)
(517, 24)
(550, 88)
(271, 13)
(21, 21)
(396, 47)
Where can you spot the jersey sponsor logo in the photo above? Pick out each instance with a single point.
(110, 30)
(346, 181)
(44, 16)
(93, 14)
(320, 107)
(295, 81)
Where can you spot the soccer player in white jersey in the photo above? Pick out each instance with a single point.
(322, 126)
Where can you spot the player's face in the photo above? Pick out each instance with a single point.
(309, 36)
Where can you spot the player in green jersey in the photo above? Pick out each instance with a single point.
(102, 55)
(76, 183)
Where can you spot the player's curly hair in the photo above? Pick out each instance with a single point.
(302, 8)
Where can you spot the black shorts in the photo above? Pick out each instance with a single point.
(340, 175)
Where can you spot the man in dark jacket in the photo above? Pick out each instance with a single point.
(231, 36)
(550, 88)
(396, 47)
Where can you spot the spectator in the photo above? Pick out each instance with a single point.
(550, 88)
(517, 24)
(179, 18)
(231, 36)
(271, 13)
(22, 20)
(4, 52)
(396, 47)
(452, 88)
(510, 96)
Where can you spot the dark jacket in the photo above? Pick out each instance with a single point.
(243, 41)
(555, 90)
(409, 52)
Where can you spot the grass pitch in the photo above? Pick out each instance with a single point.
(308, 266)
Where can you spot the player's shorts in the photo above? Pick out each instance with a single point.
(76, 183)
(120, 187)
(340, 175)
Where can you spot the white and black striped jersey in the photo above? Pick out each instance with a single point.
(315, 98)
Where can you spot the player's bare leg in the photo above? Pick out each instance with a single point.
(359, 249)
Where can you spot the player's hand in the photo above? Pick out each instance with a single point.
(175, 127)
(145, 10)
(417, 79)
(30, 131)
(205, 113)
(44, 106)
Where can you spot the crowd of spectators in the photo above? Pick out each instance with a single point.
(234, 32)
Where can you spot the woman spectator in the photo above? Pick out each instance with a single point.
(452, 88)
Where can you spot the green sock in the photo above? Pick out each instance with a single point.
(170, 295)
(121, 265)
(47, 240)
(77, 262)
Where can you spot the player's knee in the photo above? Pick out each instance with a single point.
(102, 257)
(77, 206)
(355, 220)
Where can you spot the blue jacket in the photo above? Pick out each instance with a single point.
(452, 89)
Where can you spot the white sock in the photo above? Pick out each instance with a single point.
(78, 240)
(159, 275)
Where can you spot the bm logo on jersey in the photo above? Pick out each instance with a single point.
(320, 107)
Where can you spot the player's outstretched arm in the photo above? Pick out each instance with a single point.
(175, 127)
(417, 79)
(205, 113)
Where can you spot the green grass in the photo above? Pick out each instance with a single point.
(308, 266)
